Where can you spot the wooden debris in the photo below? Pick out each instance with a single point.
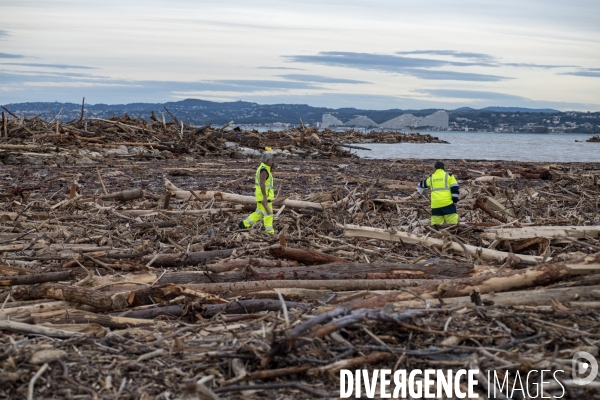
(164, 280)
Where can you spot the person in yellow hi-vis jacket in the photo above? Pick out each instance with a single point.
(264, 194)
(444, 195)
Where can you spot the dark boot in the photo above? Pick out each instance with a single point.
(241, 225)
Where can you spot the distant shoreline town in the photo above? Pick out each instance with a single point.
(282, 116)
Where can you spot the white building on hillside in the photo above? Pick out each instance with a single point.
(438, 119)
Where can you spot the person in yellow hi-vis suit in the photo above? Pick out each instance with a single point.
(444, 195)
(264, 194)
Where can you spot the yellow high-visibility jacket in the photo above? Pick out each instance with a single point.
(444, 188)
(269, 183)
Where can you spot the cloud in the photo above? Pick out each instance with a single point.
(6, 55)
(413, 66)
(297, 69)
(80, 79)
(4, 34)
(586, 72)
(67, 86)
(543, 66)
(371, 61)
(484, 58)
(57, 66)
(319, 79)
(468, 94)
(452, 75)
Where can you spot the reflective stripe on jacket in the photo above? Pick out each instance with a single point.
(269, 183)
(441, 184)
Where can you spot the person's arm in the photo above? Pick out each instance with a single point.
(454, 189)
(263, 178)
(422, 185)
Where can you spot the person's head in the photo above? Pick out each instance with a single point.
(439, 165)
(268, 158)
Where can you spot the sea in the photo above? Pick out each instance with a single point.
(491, 146)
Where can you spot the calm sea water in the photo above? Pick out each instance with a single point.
(492, 146)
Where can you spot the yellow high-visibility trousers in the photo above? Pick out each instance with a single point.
(257, 215)
(450, 219)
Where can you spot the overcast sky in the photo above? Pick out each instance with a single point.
(377, 54)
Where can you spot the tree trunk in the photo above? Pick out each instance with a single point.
(481, 203)
(14, 280)
(410, 238)
(541, 275)
(307, 257)
(183, 259)
(291, 294)
(236, 198)
(522, 297)
(151, 313)
(27, 329)
(125, 195)
(337, 285)
(548, 232)
(83, 317)
(239, 263)
(91, 297)
(376, 270)
(249, 307)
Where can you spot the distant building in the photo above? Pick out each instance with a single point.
(438, 119)
(361, 121)
(330, 120)
(403, 121)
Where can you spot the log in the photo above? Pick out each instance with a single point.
(548, 232)
(236, 198)
(125, 195)
(35, 278)
(497, 206)
(410, 238)
(183, 259)
(91, 297)
(540, 275)
(371, 284)
(249, 307)
(106, 301)
(84, 317)
(482, 204)
(292, 294)
(151, 313)
(378, 270)
(240, 263)
(27, 329)
(19, 146)
(154, 295)
(186, 277)
(537, 297)
(307, 257)
(23, 313)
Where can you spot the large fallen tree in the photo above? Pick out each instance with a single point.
(540, 275)
(410, 238)
(237, 198)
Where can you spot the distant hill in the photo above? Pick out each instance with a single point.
(202, 112)
(509, 109)
(520, 109)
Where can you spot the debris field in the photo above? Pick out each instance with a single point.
(124, 273)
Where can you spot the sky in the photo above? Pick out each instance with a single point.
(378, 54)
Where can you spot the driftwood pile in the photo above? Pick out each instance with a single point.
(130, 279)
(594, 139)
(89, 141)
